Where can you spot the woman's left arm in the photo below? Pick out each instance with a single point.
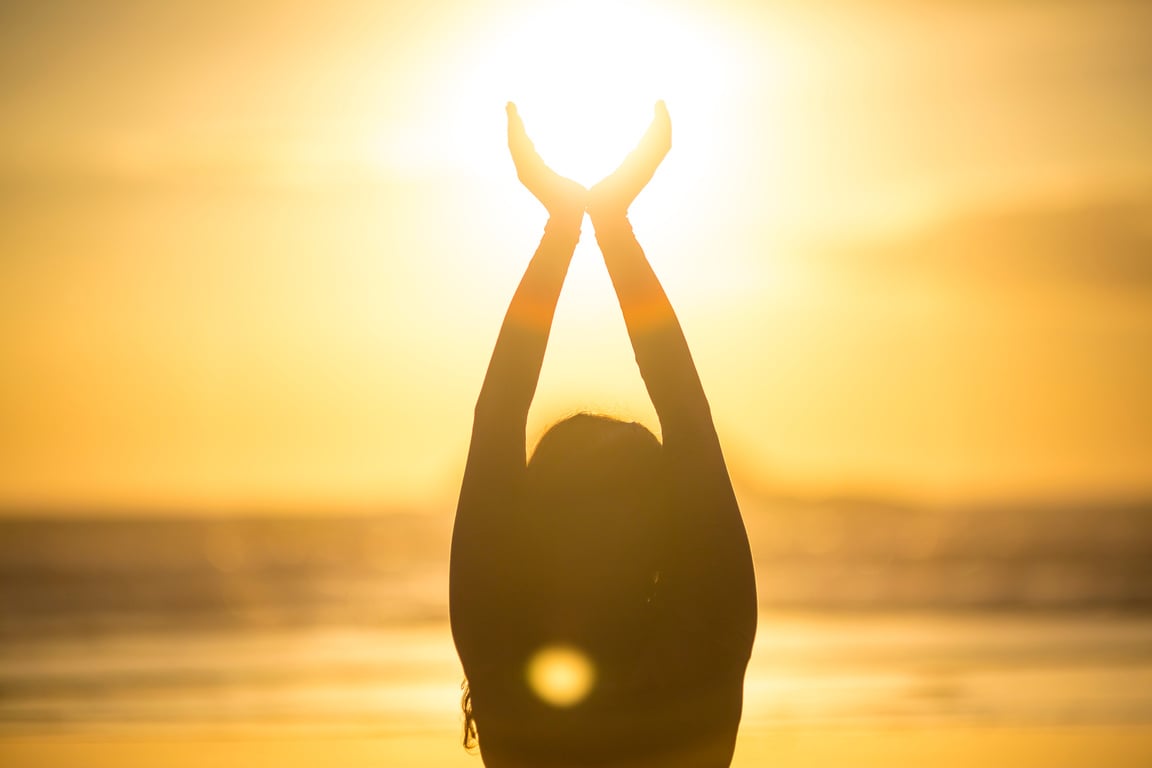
(496, 455)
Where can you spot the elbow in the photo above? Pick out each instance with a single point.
(496, 411)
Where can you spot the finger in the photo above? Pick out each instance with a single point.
(518, 141)
(524, 154)
(515, 124)
(654, 144)
(638, 168)
(661, 126)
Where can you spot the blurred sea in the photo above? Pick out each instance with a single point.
(872, 616)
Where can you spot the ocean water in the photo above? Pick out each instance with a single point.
(861, 670)
(269, 633)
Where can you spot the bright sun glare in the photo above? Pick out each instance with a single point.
(585, 77)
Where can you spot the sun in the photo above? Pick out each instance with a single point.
(585, 76)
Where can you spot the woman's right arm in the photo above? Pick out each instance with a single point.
(712, 556)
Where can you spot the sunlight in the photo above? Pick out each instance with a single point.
(561, 675)
(585, 77)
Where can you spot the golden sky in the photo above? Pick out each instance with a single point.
(255, 254)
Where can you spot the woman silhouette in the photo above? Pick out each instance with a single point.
(628, 555)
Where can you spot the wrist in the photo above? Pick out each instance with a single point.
(610, 221)
(565, 224)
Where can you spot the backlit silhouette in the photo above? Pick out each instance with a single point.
(602, 596)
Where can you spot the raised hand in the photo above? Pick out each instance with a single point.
(614, 194)
(562, 197)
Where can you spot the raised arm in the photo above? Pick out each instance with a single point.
(712, 559)
(514, 369)
(496, 453)
(657, 339)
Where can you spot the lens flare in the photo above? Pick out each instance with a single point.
(561, 675)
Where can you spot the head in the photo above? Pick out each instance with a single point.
(595, 502)
(590, 541)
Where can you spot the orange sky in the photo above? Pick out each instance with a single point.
(256, 254)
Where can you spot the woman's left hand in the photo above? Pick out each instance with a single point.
(563, 197)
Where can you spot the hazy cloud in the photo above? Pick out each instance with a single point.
(1102, 244)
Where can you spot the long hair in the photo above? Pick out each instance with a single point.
(586, 565)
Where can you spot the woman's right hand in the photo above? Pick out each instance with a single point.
(563, 197)
(613, 195)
